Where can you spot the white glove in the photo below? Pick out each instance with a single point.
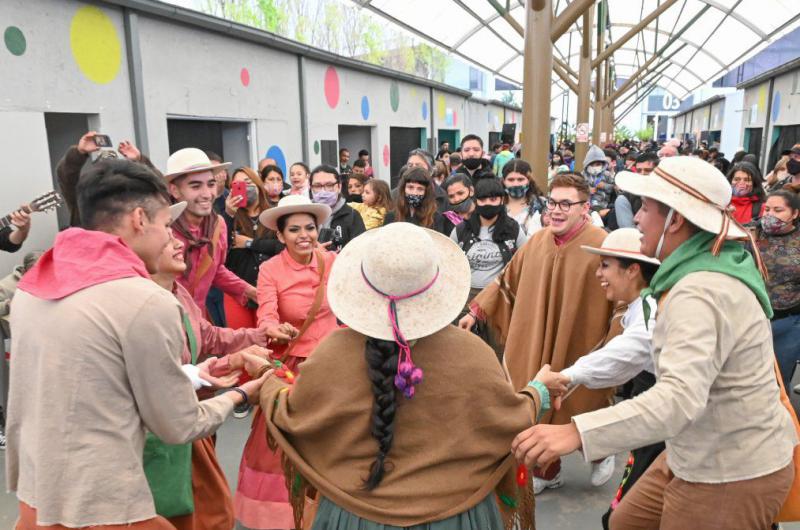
(193, 373)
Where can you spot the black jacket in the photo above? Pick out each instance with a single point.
(440, 223)
(484, 171)
(345, 224)
(245, 262)
(5, 240)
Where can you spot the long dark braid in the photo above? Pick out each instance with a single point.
(382, 357)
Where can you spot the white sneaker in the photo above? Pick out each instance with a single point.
(242, 415)
(539, 484)
(602, 472)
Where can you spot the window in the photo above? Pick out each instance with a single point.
(475, 79)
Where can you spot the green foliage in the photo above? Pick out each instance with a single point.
(622, 133)
(646, 134)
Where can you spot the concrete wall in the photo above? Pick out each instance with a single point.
(68, 56)
(716, 120)
(731, 140)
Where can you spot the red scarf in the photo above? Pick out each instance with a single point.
(565, 238)
(80, 259)
(743, 211)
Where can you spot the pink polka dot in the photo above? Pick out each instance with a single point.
(332, 87)
(385, 155)
(244, 75)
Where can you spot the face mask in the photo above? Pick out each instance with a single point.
(793, 166)
(664, 233)
(772, 225)
(740, 191)
(517, 192)
(567, 159)
(356, 198)
(463, 206)
(274, 189)
(489, 211)
(414, 201)
(594, 170)
(472, 163)
(252, 194)
(556, 161)
(326, 197)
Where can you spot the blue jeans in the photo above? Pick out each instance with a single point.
(786, 340)
(216, 307)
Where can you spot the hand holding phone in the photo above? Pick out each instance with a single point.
(103, 140)
(239, 189)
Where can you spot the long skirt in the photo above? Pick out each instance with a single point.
(262, 500)
(213, 505)
(27, 521)
(483, 516)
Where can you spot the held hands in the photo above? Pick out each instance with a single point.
(253, 388)
(226, 381)
(467, 322)
(541, 445)
(556, 383)
(282, 333)
(254, 363)
(236, 361)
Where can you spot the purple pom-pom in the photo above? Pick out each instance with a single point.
(409, 392)
(400, 382)
(416, 376)
(405, 369)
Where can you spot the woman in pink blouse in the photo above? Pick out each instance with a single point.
(293, 307)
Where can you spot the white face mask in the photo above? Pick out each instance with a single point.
(664, 233)
(594, 170)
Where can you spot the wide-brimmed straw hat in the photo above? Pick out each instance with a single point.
(176, 210)
(622, 243)
(427, 274)
(692, 187)
(190, 160)
(294, 204)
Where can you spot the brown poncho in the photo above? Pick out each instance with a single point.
(452, 441)
(548, 308)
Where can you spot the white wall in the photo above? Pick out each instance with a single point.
(731, 140)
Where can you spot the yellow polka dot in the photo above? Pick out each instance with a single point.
(95, 44)
(441, 106)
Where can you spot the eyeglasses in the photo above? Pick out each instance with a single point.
(564, 206)
(331, 186)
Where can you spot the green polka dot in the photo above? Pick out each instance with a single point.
(394, 95)
(15, 40)
(316, 147)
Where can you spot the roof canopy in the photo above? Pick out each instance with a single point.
(695, 40)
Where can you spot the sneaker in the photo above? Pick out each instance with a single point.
(540, 484)
(2, 441)
(242, 415)
(602, 472)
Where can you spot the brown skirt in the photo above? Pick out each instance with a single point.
(213, 504)
(27, 521)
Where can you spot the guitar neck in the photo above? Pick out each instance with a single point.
(5, 222)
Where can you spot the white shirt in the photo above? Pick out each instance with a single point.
(623, 357)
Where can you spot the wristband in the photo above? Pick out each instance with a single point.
(244, 406)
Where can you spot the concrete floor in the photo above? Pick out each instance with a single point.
(575, 506)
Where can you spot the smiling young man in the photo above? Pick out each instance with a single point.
(97, 363)
(729, 440)
(546, 306)
(190, 178)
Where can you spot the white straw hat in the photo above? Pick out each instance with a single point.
(294, 204)
(622, 243)
(176, 210)
(190, 160)
(399, 259)
(692, 187)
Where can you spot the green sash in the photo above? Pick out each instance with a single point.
(168, 468)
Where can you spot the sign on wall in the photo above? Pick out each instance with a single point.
(664, 103)
(582, 132)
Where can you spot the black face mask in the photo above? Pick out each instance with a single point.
(793, 166)
(355, 198)
(472, 163)
(489, 211)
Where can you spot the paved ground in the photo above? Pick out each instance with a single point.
(576, 506)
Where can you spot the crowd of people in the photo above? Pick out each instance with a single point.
(419, 356)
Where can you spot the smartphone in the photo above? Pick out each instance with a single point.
(325, 235)
(239, 189)
(103, 140)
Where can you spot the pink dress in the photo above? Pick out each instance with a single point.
(286, 292)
